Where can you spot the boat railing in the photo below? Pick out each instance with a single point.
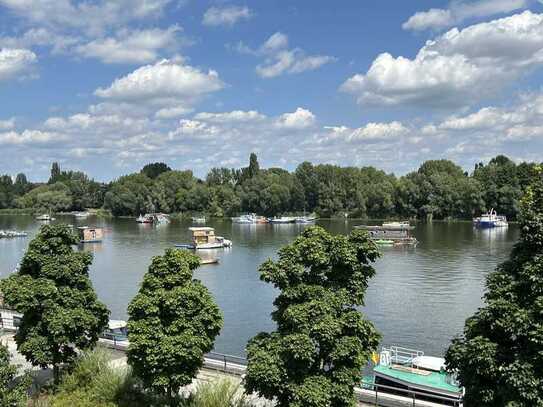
(418, 398)
(402, 356)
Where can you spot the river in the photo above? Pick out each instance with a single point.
(420, 297)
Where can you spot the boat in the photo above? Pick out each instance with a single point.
(204, 238)
(90, 235)
(282, 220)
(402, 225)
(199, 219)
(249, 219)
(81, 214)
(305, 219)
(45, 217)
(144, 219)
(399, 370)
(490, 220)
(209, 261)
(7, 234)
(161, 218)
(387, 235)
(115, 335)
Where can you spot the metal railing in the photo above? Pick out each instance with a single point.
(412, 395)
(237, 365)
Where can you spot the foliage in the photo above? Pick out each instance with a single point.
(173, 322)
(322, 341)
(155, 169)
(12, 388)
(53, 291)
(439, 189)
(499, 358)
(219, 393)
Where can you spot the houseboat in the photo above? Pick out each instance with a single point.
(90, 235)
(115, 336)
(490, 220)
(204, 238)
(390, 235)
(402, 225)
(401, 370)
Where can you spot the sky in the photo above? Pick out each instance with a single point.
(106, 86)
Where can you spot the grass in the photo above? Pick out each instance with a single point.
(93, 382)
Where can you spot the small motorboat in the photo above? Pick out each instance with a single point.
(282, 220)
(491, 220)
(45, 217)
(199, 219)
(144, 219)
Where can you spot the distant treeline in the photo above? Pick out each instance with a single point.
(439, 189)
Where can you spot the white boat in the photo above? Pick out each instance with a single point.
(11, 233)
(45, 217)
(249, 219)
(282, 220)
(81, 214)
(199, 219)
(403, 225)
(305, 219)
(161, 218)
(144, 219)
(491, 220)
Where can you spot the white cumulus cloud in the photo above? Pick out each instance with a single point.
(459, 11)
(299, 119)
(457, 68)
(226, 15)
(16, 63)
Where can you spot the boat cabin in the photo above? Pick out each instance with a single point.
(203, 236)
(90, 235)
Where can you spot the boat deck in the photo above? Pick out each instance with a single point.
(434, 380)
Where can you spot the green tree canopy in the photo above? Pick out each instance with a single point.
(322, 342)
(12, 390)
(173, 322)
(153, 170)
(499, 358)
(52, 290)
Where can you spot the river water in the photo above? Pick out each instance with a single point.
(419, 297)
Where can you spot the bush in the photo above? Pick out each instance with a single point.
(220, 393)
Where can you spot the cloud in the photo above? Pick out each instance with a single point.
(299, 119)
(28, 137)
(235, 116)
(279, 59)
(40, 37)
(457, 68)
(226, 16)
(16, 63)
(93, 18)
(165, 84)
(7, 124)
(131, 46)
(459, 11)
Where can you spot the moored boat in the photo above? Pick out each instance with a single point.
(399, 370)
(198, 219)
(305, 219)
(249, 219)
(6, 234)
(81, 215)
(45, 217)
(282, 220)
(144, 219)
(387, 236)
(490, 220)
(205, 238)
(90, 235)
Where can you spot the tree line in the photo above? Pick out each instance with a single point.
(322, 341)
(439, 189)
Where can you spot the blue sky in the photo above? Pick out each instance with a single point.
(107, 86)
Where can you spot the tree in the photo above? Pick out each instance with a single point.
(55, 173)
(173, 322)
(254, 167)
(12, 390)
(52, 289)
(322, 342)
(499, 357)
(155, 169)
